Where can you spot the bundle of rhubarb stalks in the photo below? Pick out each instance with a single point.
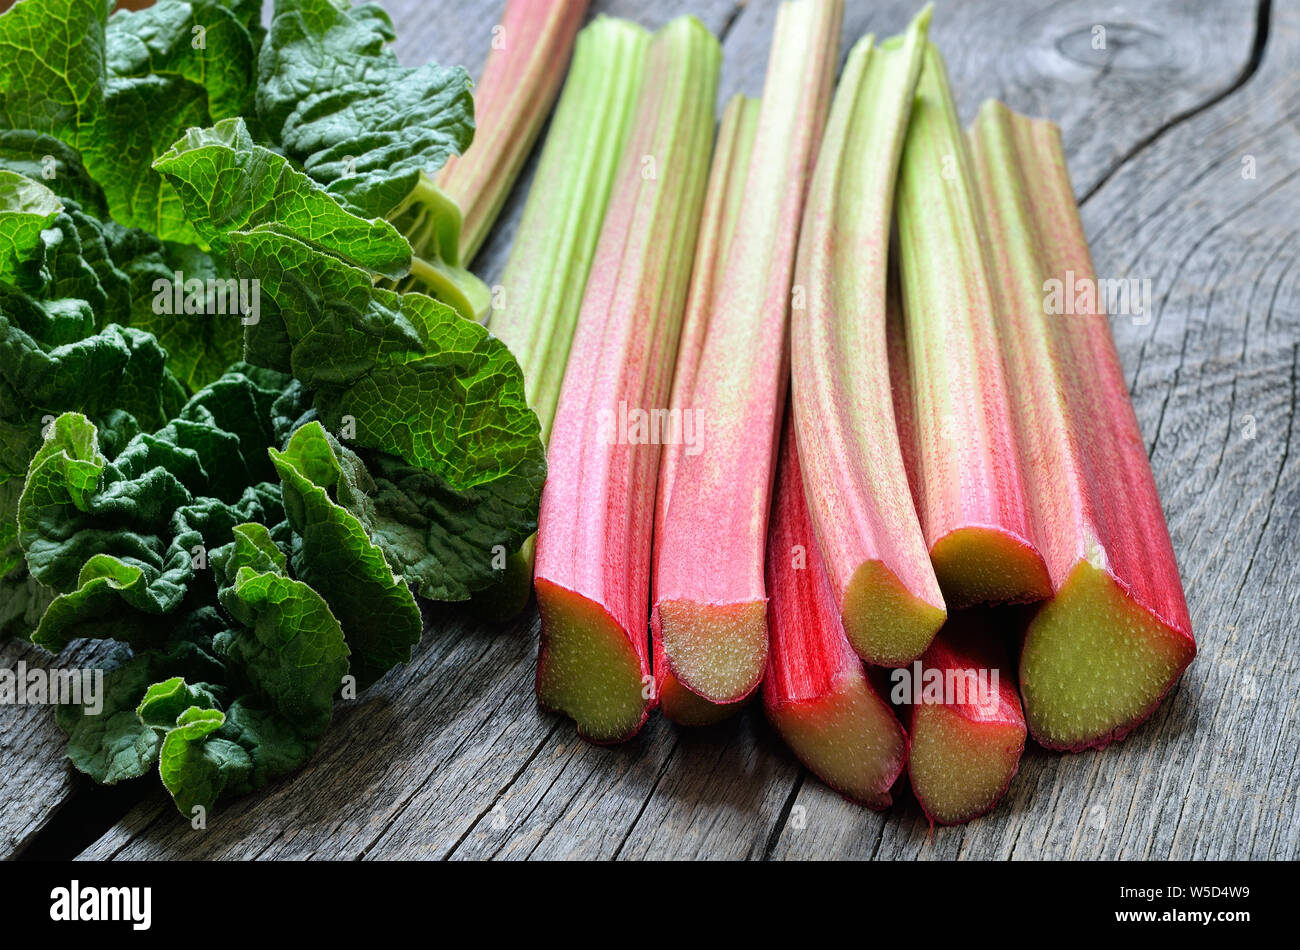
(810, 424)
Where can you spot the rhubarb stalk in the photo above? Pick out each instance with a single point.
(522, 76)
(710, 596)
(722, 202)
(1099, 657)
(545, 276)
(857, 487)
(972, 501)
(597, 512)
(815, 691)
(965, 720)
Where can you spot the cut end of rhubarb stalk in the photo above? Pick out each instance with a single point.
(1099, 657)
(708, 589)
(815, 691)
(687, 709)
(977, 565)
(1095, 663)
(967, 724)
(717, 650)
(961, 768)
(588, 668)
(849, 737)
(971, 486)
(885, 622)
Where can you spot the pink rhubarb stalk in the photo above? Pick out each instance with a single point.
(522, 77)
(710, 596)
(597, 512)
(722, 203)
(1099, 657)
(815, 691)
(965, 719)
(972, 501)
(546, 274)
(858, 493)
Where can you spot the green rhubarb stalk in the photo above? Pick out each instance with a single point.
(1116, 635)
(597, 519)
(531, 47)
(722, 203)
(972, 501)
(857, 487)
(546, 274)
(431, 222)
(710, 598)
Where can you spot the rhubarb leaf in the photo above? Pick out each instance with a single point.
(338, 103)
(26, 209)
(124, 540)
(166, 701)
(204, 44)
(51, 73)
(473, 459)
(229, 183)
(196, 766)
(53, 163)
(290, 648)
(97, 85)
(335, 556)
(111, 744)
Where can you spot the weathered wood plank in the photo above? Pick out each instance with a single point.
(36, 778)
(448, 756)
(1160, 60)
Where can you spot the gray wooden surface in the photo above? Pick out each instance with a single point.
(448, 756)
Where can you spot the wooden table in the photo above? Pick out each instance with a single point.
(1184, 143)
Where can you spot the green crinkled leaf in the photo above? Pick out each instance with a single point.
(114, 744)
(23, 599)
(124, 541)
(75, 264)
(53, 163)
(200, 345)
(133, 132)
(338, 102)
(474, 459)
(333, 554)
(274, 745)
(26, 209)
(52, 67)
(119, 369)
(229, 183)
(251, 748)
(121, 91)
(202, 42)
(291, 649)
(165, 702)
(196, 766)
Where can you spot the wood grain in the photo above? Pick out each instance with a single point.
(448, 756)
(35, 778)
